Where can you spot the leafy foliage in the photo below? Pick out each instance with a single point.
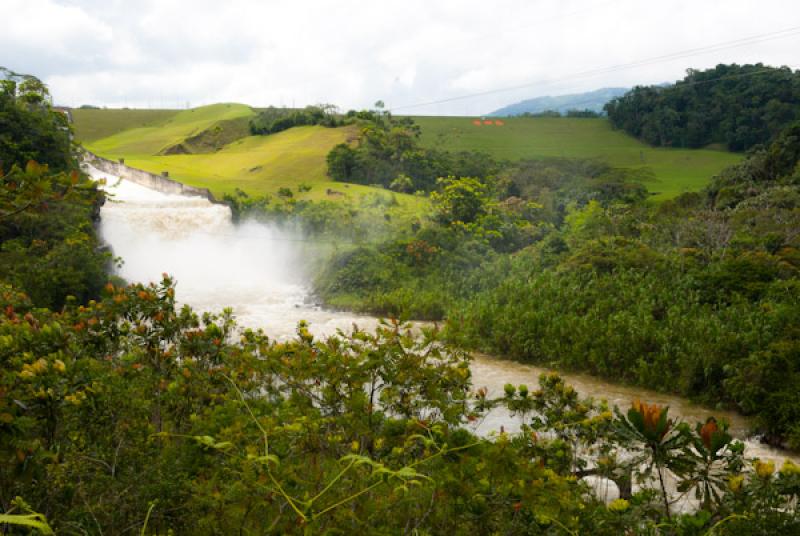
(29, 128)
(388, 153)
(273, 120)
(601, 282)
(131, 412)
(739, 106)
(48, 245)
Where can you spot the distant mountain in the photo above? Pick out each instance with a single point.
(592, 100)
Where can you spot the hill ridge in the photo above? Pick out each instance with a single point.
(589, 100)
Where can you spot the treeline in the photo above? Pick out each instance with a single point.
(585, 113)
(738, 106)
(364, 219)
(29, 128)
(273, 120)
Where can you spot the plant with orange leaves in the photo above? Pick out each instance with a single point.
(650, 420)
(662, 443)
(714, 456)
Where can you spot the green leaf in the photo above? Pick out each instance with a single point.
(205, 440)
(210, 442)
(266, 459)
(34, 521)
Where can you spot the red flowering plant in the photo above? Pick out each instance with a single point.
(714, 456)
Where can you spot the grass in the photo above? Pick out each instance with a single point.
(258, 165)
(215, 138)
(93, 124)
(151, 140)
(264, 164)
(676, 170)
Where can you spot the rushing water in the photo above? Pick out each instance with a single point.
(260, 272)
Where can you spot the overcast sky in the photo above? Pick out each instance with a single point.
(171, 53)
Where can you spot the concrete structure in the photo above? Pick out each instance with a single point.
(159, 183)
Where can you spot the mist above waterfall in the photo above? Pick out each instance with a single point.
(196, 242)
(260, 270)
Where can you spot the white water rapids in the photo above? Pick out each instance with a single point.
(259, 271)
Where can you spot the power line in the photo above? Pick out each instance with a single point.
(467, 39)
(682, 84)
(788, 32)
(508, 29)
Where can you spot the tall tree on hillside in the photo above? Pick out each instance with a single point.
(29, 128)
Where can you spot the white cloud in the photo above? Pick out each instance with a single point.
(353, 52)
(41, 35)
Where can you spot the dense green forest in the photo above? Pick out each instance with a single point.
(121, 411)
(563, 262)
(738, 106)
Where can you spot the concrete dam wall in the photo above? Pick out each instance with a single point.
(159, 183)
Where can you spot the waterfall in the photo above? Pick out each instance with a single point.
(259, 270)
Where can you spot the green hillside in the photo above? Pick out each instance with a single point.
(257, 165)
(151, 140)
(676, 170)
(92, 124)
(262, 164)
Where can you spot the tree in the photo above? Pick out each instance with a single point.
(342, 163)
(47, 207)
(740, 106)
(402, 183)
(460, 200)
(29, 128)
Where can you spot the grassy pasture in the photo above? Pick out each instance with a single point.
(257, 165)
(676, 170)
(93, 124)
(150, 140)
(264, 164)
